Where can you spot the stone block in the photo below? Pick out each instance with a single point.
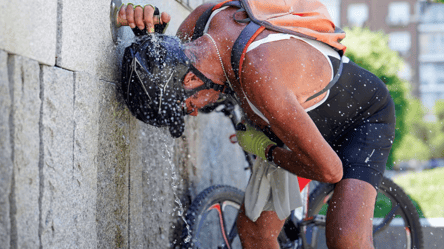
(25, 92)
(155, 186)
(85, 42)
(84, 38)
(136, 178)
(160, 176)
(112, 170)
(29, 28)
(5, 151)
(136, 228)
(86, 132)
(59, 218)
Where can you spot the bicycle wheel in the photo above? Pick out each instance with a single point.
(396, 222)
(211, 219)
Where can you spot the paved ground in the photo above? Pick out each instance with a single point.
(433, 231)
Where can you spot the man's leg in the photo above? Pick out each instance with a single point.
(350, 215)
(260, 234)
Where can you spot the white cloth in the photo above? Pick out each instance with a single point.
(271, 188)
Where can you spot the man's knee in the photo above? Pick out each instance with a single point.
(344, 238)
(349, 216)
(264, 231)
(260, 236)
(255, 230)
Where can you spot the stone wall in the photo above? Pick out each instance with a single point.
(76, 169)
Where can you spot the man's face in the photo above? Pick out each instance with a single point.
(200, 100)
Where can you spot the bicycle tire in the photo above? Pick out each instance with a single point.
(214, 204)
(401, 205)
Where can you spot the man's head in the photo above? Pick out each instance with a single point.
(160, 85)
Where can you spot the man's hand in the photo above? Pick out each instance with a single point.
(141, 17)
(252, 140)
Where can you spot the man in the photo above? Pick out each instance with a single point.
(343, 135)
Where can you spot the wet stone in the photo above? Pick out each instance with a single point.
(5, 151)
(24, 78)
(86, 132)
(112, 170)
(83, 49)
(158, 194)
(34, 36)
(60, 188)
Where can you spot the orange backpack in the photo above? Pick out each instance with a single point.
(305, 18)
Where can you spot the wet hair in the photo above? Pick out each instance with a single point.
(153, 70)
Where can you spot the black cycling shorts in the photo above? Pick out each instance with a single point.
(358, 121)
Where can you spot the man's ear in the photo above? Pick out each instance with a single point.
(191, 81)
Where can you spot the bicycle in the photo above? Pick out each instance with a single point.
(211, 218)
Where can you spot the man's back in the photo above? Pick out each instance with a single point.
(294, 64)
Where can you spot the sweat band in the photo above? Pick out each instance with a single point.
(270, 153)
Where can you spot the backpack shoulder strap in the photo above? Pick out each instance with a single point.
(246, 37)
(201, 22)
(331, 83)
(203, 19)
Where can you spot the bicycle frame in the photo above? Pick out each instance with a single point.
(298, 218)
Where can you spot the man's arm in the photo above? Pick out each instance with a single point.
(310, 156)
(272, 88)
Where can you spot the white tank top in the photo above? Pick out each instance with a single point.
(321, 47)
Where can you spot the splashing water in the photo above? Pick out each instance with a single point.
(174, 185)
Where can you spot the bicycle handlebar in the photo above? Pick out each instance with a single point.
(227, 106)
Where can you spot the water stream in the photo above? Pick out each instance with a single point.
(175, 183)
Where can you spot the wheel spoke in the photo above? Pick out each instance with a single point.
(233, 232)
(199, 228)
(387, 219)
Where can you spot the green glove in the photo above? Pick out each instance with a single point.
(252, 140)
